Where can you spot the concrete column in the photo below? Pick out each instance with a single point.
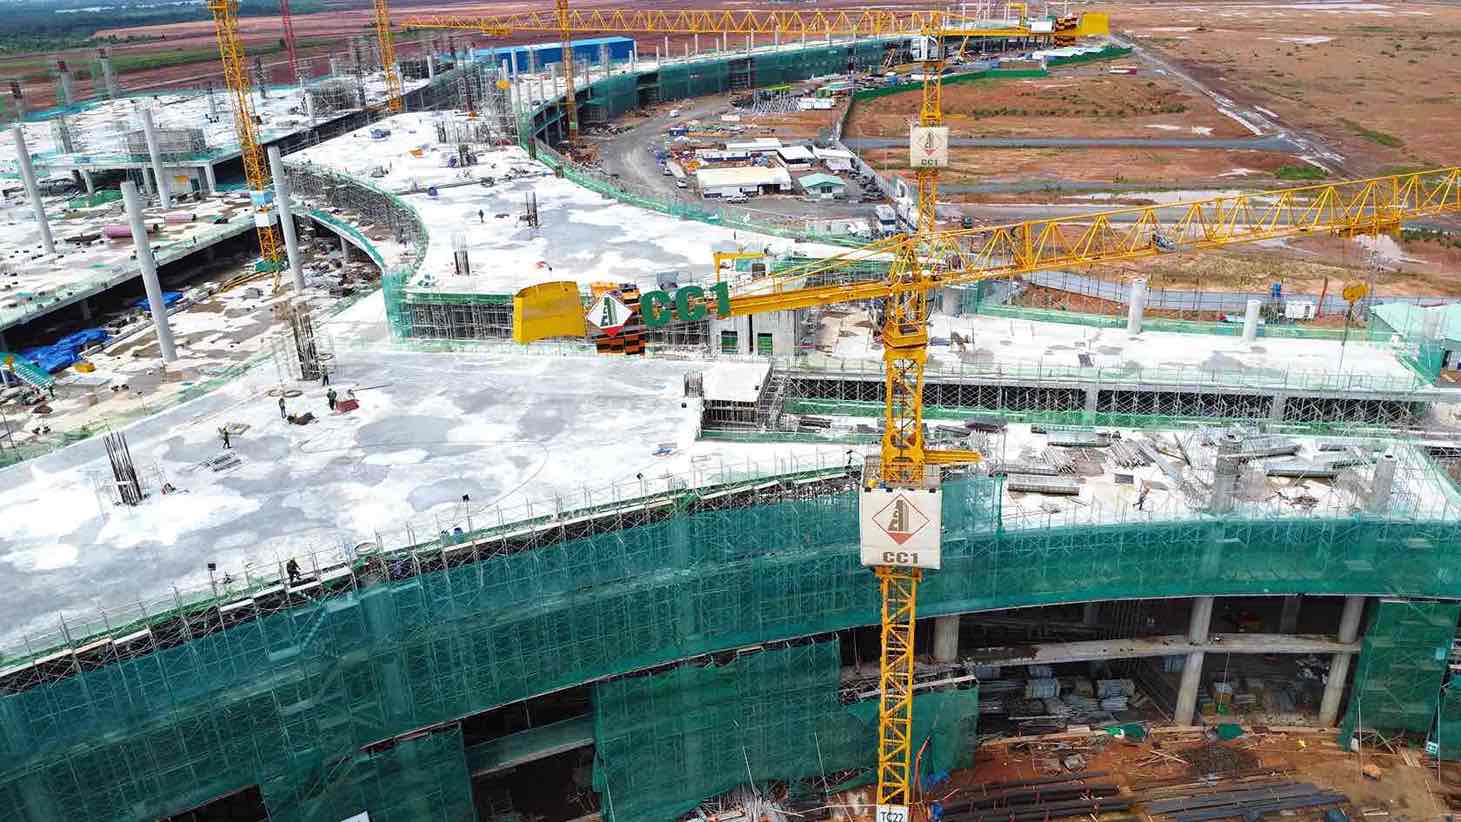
(32, 189)
(1382, 484)
(1091, 613)
(145, 261)
(211, 178)
(1288, 620)
(1192, 672)
(697, 43)
(1349, 631)
(430, 66)
(948, 301)
(1093, 398)
(946, 639)
(286, 217)
(147, 187)
(748, 44)
(776, 37)
(85, 306)
(109, 76)
(1136, 307)
(667, 48)
(86, 180)
(1250, 321)
(1225, 474)
(67, 95)
(1275, 407)
(154, 151)
(344, 250)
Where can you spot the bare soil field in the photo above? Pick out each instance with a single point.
(1158, 167)
(1379, 81)
(1080, 102)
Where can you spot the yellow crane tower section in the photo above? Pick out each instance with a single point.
(256, 168)
(388, 56)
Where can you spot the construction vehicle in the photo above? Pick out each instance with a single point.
(900, 503)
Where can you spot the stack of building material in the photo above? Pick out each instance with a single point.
(1268, 446)
(1061, 460)
(1078, 439)
(1047, 798)
(1245, 803)
(1042, 688)
(1129, 454)
(1064, 486)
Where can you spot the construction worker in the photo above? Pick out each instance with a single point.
(292, 569)
(224, 433)
(282, 414)
(481, 217)
(330, 397)
(324, 376)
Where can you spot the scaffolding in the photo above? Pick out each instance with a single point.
(665, 742)
(163, 706)
(1401, 667)
(301, 349)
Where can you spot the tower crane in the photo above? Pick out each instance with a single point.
(899, 498)
(392, 74)
(256, 169)
(287, 21)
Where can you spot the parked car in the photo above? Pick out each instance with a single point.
(681, 184)
(738, 198)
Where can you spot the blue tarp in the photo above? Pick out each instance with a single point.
(50, 358)
(65, 351)
(168, 298)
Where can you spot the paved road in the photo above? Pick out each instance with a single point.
(1277, 142)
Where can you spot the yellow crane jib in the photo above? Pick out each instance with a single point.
(790, 23)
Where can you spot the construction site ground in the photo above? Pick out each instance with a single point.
(1083, 101)
(1407, 789)
(1377, 80)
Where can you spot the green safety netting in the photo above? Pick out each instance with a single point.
(1105, 53)
(665, 742)
(415, 780)
(271, 693)
(1445, 741)
(1400, 667)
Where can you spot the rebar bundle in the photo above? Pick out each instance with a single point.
(124, 472)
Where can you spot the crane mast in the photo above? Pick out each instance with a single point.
(570, 94)
(256, 170)
(394, 103)
(287, 20)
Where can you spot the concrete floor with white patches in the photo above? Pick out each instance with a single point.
(502, 429)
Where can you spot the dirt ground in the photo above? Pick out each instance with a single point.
(1407, 790)
(1078, 102)
(1377, 80)
(1160, 168)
